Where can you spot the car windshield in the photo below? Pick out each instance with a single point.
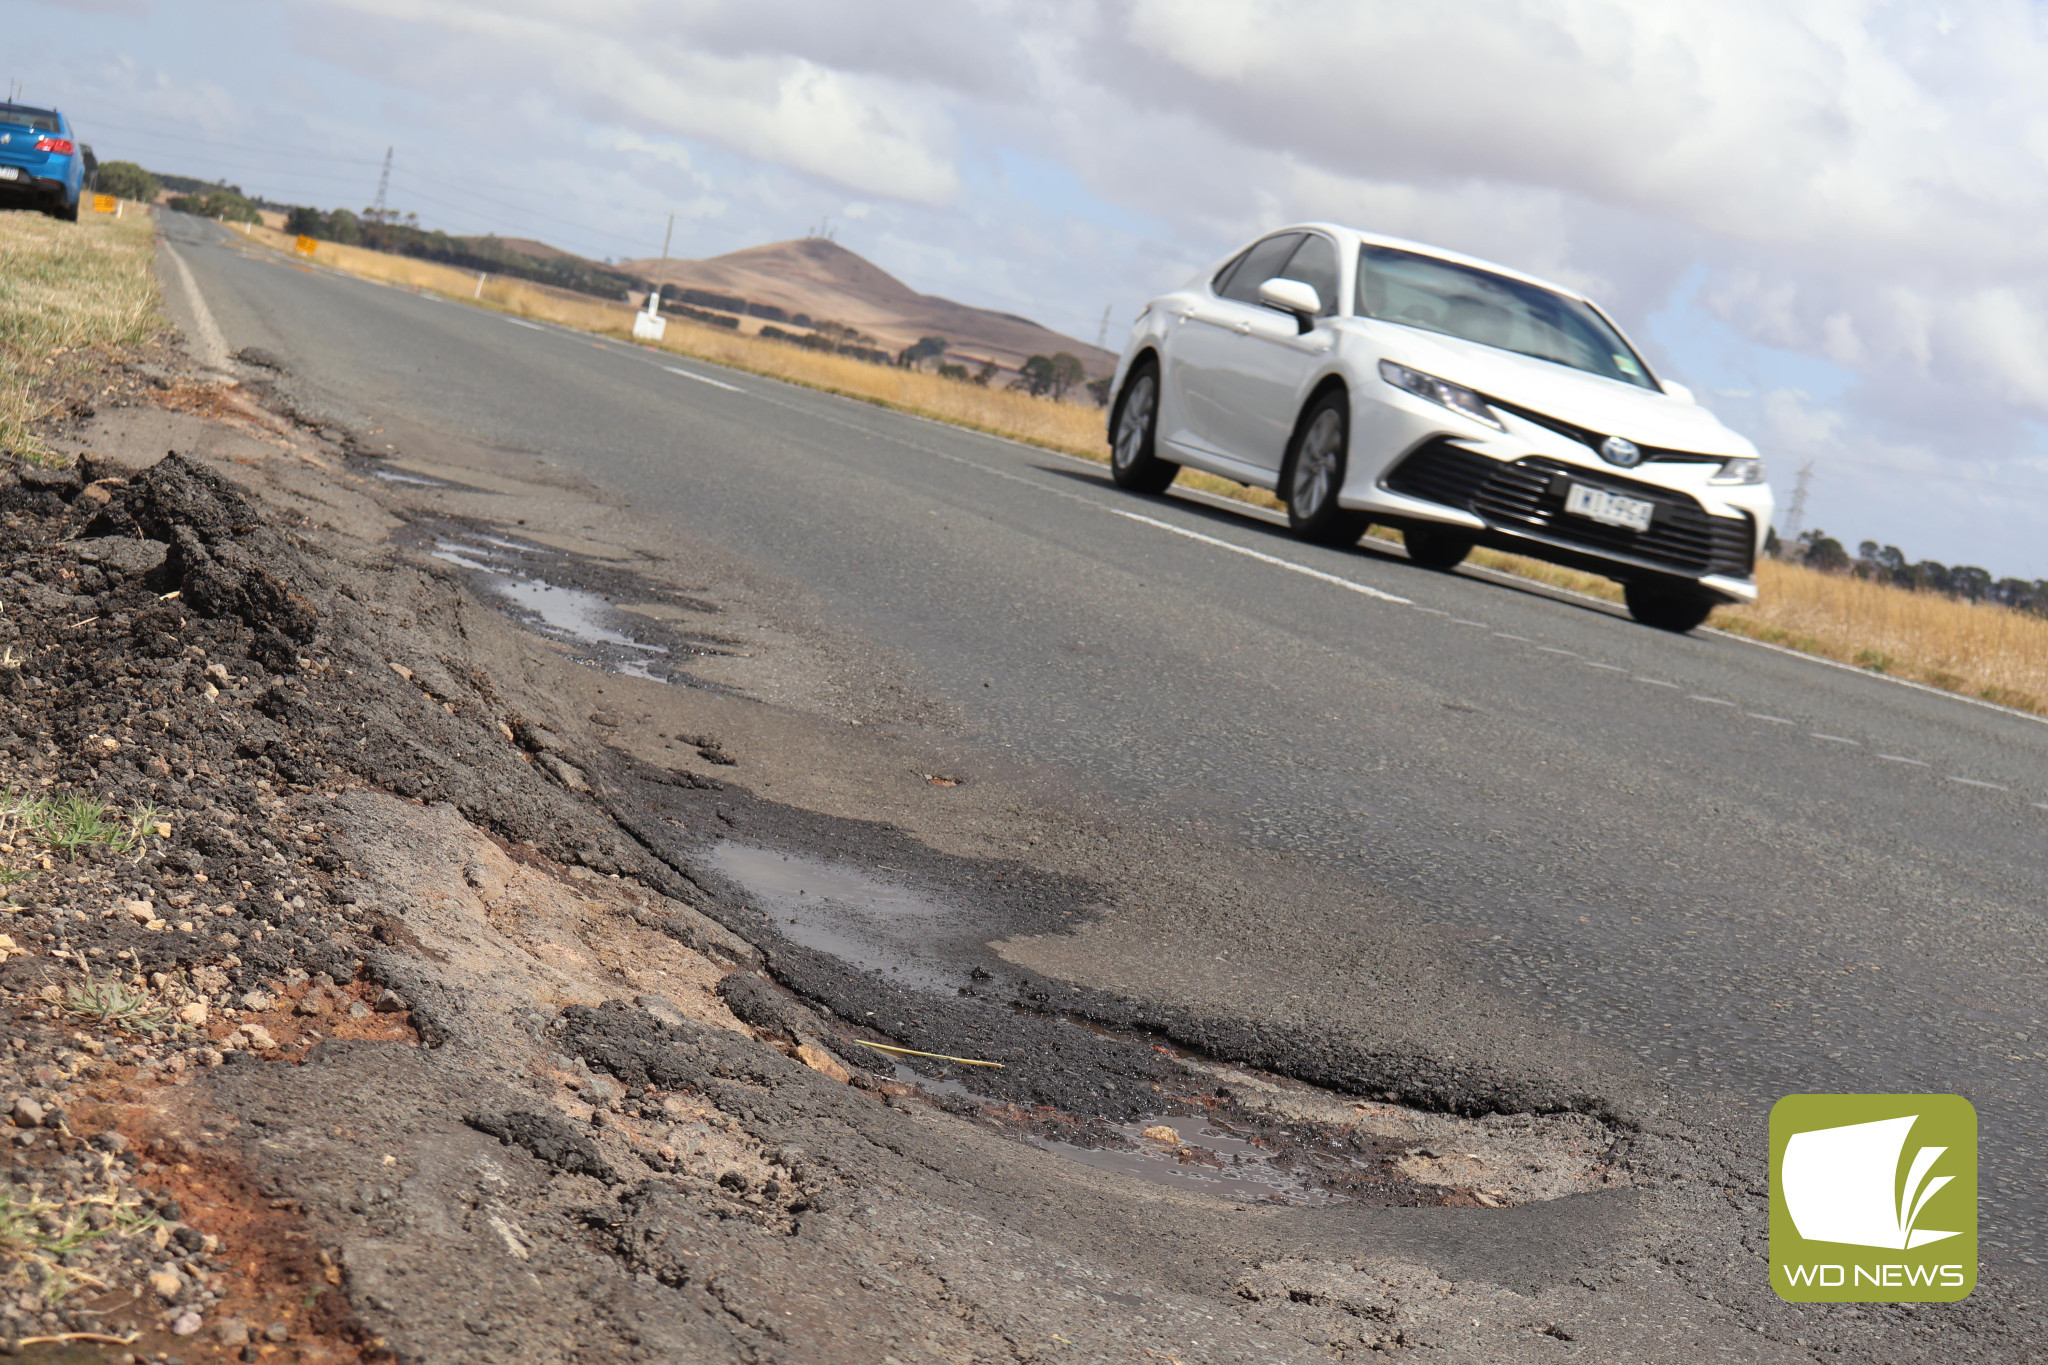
(42, 120)
(1493, 310)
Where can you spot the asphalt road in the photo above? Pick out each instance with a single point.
(1757, 873)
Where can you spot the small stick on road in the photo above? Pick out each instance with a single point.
(935, 1056)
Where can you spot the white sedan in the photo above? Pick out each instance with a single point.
(1367, 380)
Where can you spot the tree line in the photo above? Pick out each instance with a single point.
(1888, 564)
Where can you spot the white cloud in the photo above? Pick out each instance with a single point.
(867, 133)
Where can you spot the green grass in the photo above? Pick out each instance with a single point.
(36, 1234)
(66, 287)
(68, 823)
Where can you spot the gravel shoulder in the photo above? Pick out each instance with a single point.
(480, 931)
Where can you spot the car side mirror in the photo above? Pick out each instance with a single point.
(1292, 296)
(1678, 391)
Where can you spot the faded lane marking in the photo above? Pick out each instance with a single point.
(705, 379)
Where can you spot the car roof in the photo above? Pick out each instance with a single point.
(1424, 249)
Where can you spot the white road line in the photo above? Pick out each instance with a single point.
(1431, 611)
(1973, 782)
(1836, 739)
(529, 326)
(705, 379)
(2041, 805)
(212, 347)
(1656, 682)
(1275, 560)
(1896, 758)
(1503, 635)
(1768, 720)
(1611, 668)
(1553, 649)
(1456, 621)
(1711, 701)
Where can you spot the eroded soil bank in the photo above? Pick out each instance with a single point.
(442, 927)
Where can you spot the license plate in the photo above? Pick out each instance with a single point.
(10, 173)
(1609, 509)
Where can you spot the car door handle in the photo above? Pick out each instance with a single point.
(1244, 328)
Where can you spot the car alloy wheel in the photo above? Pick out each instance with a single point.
(1131, 461)
(1315, 475)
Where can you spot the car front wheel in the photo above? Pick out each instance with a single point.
(1436, 547)
(1314, 475)
(1135, 429)
(1666, 608)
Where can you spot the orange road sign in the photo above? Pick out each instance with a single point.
(105, 203)
(305, 246)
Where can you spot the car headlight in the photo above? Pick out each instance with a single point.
(1739, 471)
(1453, 396)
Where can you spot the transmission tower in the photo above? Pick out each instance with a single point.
(1795, 515)
(379, 211)
(1102, 333)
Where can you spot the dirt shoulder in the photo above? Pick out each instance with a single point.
(444, 924)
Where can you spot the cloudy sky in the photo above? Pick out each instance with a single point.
(1826, 216)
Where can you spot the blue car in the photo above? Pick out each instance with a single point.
(41, 162)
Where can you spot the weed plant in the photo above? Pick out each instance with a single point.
(112, 1003)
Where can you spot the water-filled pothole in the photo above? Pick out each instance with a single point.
(1211, 1128)
(608, 635)
(863, 920)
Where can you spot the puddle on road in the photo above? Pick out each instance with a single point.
(572, 615)
(874, 925)
(412, 480)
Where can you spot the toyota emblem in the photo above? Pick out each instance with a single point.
(1621, 451)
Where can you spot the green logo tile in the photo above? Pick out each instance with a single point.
(1873, 1198)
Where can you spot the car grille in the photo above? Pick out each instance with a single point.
(1528, 497)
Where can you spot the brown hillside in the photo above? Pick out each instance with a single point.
(522, 246)
(826, 281)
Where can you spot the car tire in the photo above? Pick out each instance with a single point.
(1665, 608)
(1442, 548)
(1313, 474)
(1134, 430)
(65, 212)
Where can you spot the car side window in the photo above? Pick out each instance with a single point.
(1264, 261)
(1315, 264)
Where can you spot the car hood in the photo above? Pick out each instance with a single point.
(1598, 404)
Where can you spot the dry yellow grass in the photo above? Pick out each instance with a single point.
(66, 287)
(1985, 651)
(1988, 652)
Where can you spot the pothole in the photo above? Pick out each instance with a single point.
(1214, 1128)
(1259, 1138)
(524, 581)
(864, 921)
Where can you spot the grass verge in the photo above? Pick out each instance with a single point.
(66, 287)
(1989, 652)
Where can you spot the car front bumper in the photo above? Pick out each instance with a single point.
(1413, 461)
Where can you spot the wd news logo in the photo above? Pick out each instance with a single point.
(1873, 1198)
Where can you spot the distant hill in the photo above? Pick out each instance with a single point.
(814, 280)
